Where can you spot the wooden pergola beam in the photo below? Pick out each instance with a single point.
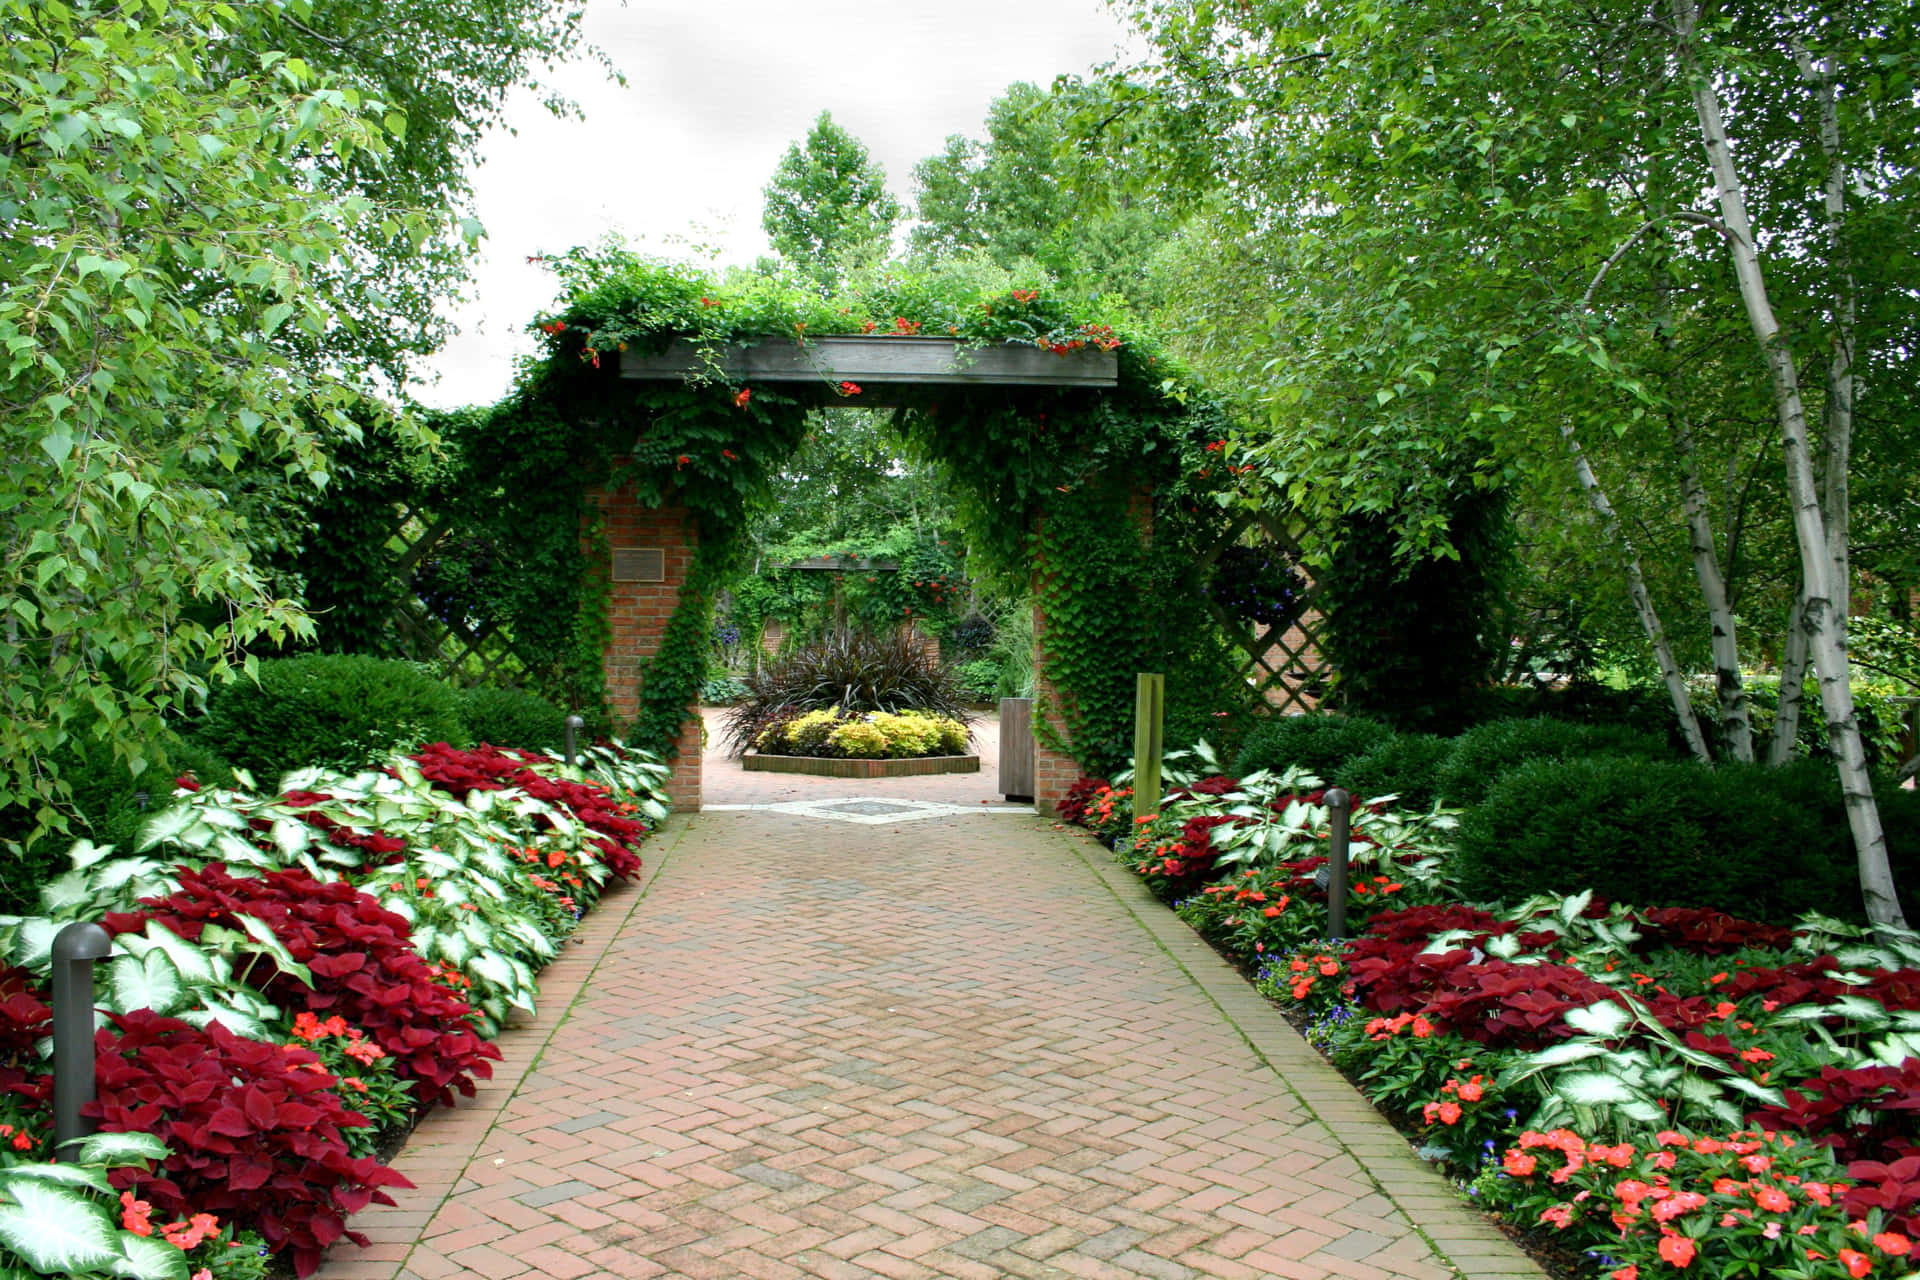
(883, 363)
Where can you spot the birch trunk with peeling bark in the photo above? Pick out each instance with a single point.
(1736, 719)
(1825, 622)
(1793, 683)
(1637, 592)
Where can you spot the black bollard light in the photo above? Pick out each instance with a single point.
(75, 948)
(574, 725)
(1340, 806)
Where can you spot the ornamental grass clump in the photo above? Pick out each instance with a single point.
(855, 671)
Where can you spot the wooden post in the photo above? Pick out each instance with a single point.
(1149, 723)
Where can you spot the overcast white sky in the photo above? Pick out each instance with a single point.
(715, 93)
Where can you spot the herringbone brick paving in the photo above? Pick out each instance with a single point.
(944, 1048)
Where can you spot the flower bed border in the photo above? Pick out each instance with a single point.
(831, 767)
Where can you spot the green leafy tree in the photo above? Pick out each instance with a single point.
(827, 208)
(1469, 239)
(1025, 192)
(210, 244)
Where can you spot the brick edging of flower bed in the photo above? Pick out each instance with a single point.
(830, 767)
(1458, 1233)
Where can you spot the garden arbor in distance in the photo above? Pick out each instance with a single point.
(652, 547)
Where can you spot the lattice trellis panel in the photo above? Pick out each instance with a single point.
(472, 652)
(1286, 670)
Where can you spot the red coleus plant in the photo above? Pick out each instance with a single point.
(253, 1129)
(1706, 932)
(25, 1020)
(462, 772)
(363, 964)
(1863, 1113)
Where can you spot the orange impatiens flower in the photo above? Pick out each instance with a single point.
(1677, 1250)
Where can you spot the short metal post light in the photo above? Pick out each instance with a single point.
(574, 725)
(75, 948)
(1340, 809)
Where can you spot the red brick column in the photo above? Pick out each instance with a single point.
(637, 618)
(1053, 771)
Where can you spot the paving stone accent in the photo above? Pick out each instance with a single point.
(966, 1047)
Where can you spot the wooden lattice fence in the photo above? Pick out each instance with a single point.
(472, 651)
(1283, 665)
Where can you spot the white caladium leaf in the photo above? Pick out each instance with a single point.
(1592, 1088)
(166, 825)
(118, 1148)
(454, 947)
(291, 836)
(70, 1175)
(111, 877)
(194, 964)
(56, 1230)
(85, 853)
(492, 966)
(1560, 1055)
(1603, 1020)
(33, 942)
(65, 892)
(215, 1010)
(1770, 1096)
(147, 982)
(145, 1258)
(1571, 908)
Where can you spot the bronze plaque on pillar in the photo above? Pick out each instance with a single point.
(639, 564)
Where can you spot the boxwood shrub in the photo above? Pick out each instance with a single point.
(1759, 843)
(512, 718)
(1321, 743)
(339, 710)
(1406, 764)
(1483, 753)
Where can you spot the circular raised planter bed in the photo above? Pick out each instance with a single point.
(830, 767)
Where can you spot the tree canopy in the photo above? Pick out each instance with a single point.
(827, 206)
(222, 221)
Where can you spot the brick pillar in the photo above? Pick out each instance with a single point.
(637, 617)
(1053, 771)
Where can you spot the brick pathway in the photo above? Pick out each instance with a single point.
(963, 1047)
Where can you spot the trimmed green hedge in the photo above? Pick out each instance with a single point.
(1407, 765)
(1760, 843)
(1483, 753)
(339, 710)
(513, 718)
(1320, 743)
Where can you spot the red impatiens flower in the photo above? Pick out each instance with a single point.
(740, 401)
(1677, 1250)
(849, 388)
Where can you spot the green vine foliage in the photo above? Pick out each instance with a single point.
(523, 470)
(1093, 561)
(1408, 634)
